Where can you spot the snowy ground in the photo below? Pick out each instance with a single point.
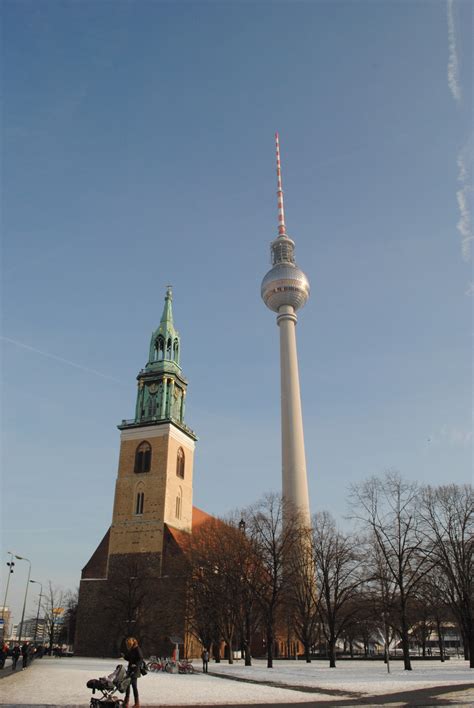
(63, 682)
(357, 676)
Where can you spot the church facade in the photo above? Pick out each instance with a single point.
(130, 585)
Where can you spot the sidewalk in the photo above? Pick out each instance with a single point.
(7, 669)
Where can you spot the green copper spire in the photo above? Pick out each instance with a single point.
(164, 344)
(161, 384)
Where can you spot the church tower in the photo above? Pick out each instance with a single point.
(128, 586)
(155, 473)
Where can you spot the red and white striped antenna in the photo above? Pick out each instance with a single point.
(281, 210)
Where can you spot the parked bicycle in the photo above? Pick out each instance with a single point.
(156, 664)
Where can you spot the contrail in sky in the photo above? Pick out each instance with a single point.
(60, 358)
(464, 225)
(464, 160)
(453, 63)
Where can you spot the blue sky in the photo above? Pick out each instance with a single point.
(138, 151)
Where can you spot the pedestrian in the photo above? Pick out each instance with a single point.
(133, 654)
(205, 660)
(3, 655)
(24, 655)
(15, 654)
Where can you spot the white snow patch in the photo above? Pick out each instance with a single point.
(63, 681)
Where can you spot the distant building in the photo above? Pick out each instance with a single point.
(5, 622)
(33, 631)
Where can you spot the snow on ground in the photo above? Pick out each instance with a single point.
(368, 677)
(63, 681)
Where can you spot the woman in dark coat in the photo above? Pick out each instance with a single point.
(133, 654)
(16, 651)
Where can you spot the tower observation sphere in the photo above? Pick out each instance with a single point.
(285, 284)
(285, 288)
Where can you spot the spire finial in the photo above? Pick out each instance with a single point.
(281, 211)
(167, 316)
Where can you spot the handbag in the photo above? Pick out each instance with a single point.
(143, 669)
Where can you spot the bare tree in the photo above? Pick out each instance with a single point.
(53, 612)
(302, 594)
(388, 506)
(215, 553)
(448, 516)
(69, 625)
(128, 602)
(246, 562)
(337, 559)
(273, 541)
(435, 595)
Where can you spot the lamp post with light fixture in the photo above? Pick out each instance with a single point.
(26, 595)
(39, 605)
(10, 571)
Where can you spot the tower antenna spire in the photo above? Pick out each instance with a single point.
(281, 210)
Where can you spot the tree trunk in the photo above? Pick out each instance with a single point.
(307, 650)
(248, 656)
(440, 640)
(231, 653)
(217, 652)
(464, 641)
(332, 652)
(471, 647)
(269, 648)
(405, 640)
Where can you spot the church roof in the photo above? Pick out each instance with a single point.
(96, 567)
(199, 517)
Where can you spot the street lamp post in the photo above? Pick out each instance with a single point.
(26, 595)
(10, 571)
(39, 605)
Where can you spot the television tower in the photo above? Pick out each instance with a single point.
(285, 289)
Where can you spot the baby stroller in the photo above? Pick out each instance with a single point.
(118, 680)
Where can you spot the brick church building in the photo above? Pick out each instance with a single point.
(131, 584)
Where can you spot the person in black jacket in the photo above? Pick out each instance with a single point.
(133, 654)
(16, 651)
(25, 654)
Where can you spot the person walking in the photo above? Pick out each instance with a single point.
(205, 660)
(3, 654)
(133, 654)
(24, 655)
(15, 654)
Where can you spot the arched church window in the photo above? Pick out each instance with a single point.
(143, 458)
(139, 503)
(168, 349)
(180, 463)
(179, 503)
(176, 350)
(159, 349)
(152, 405)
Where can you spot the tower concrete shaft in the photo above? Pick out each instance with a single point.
(285, 289)
(294, 477)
